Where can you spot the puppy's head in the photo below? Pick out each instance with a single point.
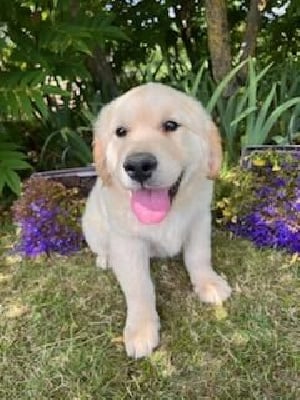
(152, 141)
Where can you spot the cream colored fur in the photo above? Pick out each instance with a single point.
(112, 230)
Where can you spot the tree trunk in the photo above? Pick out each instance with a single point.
(219, 41)
(102, 75)
(248, 46)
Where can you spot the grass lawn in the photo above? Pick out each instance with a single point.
(62, 318)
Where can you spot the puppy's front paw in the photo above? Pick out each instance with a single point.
(211, 288)
(102, 261)
(141, 338)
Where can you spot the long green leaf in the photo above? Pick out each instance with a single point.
(275, 115)
(261, 117)
(15, 164)
(2, 182)
(25, 105)
(11, 155)
(252, 96)
(198, 78)
(222, 85)
(12, 180)
(12, 105)
(40, 104)
(243, 115)
(49, 89)
(77, 143)
(262, 73)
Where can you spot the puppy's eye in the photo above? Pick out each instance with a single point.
(170, 126)
(121, 131)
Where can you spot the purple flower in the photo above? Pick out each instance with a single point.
(44, 232)
(279, 182)
(270, 214)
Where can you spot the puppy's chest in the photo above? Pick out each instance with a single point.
(168, 239)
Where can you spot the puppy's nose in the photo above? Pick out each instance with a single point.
(139, 166)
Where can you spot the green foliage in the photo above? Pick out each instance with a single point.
(253, 114)
(261, 120)
(65, 138)
(177, 31)
(23, 95)
(45, 81)
(12, 160)
(44, 53)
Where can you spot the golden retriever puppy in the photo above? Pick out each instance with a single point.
(156, 151)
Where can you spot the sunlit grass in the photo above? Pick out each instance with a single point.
(61, 326)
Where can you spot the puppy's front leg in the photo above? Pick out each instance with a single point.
(130, 261)
(210, 287)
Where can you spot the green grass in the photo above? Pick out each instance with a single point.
(62, 319)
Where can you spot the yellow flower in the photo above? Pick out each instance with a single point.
(227, 213)
(276, 167)
(259, 162)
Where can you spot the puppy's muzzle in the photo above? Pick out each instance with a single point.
(140, 166)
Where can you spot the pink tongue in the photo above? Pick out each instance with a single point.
(150, 206)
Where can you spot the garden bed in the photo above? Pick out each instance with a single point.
(264, 200)
(82, 178)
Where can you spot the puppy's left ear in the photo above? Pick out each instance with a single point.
(215, 151)
(100, 161)
(101, 129)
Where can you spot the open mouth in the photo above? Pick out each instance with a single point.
(174, 188)
(151, 206)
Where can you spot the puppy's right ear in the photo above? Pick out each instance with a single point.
(215, 151)
(101, 130)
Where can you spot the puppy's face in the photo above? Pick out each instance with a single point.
(151, 141)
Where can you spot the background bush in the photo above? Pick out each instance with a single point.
(62, 60)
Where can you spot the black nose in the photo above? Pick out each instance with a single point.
(139, 166)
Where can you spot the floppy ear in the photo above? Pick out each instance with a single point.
(100, 162)
(101, 130)
(208, 133)
(215, 151)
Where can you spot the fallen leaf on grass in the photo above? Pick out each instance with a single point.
(117, 339)
(16, 311)
(13, 259)
(5, 278)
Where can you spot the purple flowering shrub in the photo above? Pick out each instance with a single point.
(48, 218)
(264, 203)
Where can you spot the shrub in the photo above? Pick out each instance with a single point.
(48, 217)
(264, 203)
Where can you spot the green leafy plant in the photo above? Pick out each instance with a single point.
(45, 82)
(261, 119)
(293, 132)
(253, 114)
(65, 138)
(12, 160)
